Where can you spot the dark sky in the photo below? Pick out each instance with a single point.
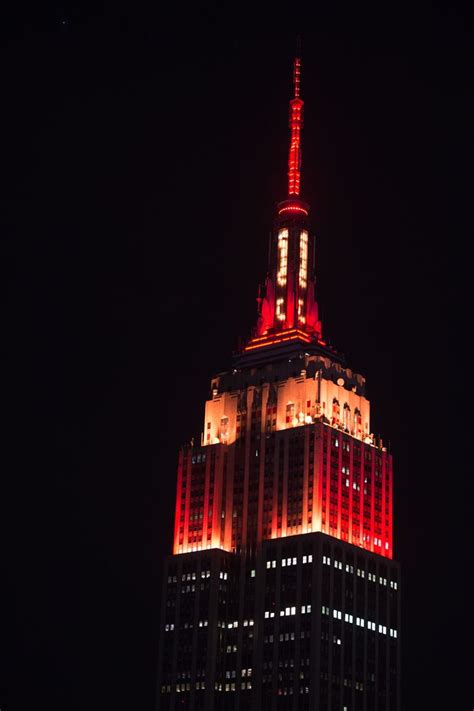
(143, 151)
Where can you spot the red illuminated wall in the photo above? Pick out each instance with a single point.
(303, 479)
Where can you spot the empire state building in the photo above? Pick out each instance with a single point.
(282, 592)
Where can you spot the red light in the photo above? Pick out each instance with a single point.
(296, 124)
(290, 335)
(293, 208)
(350, 515)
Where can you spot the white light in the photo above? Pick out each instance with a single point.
(303, 258)
(282, 258)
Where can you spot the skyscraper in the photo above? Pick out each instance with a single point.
(281, 592)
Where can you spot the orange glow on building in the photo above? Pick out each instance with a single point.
(345, 492)
(286, 446)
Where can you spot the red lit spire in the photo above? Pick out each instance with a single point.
(296, 124)
(288, 311)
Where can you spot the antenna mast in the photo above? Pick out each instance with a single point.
(296, 124)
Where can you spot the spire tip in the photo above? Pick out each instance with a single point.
(298, 46)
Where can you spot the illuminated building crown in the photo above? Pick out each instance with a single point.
(288, 312)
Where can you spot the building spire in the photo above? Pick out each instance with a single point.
(296, 124)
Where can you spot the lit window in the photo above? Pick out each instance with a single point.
(282, 257)
(279, 309)
(224, 429)
(303, 258)
(301, 316)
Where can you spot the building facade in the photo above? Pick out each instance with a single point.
(282, 592)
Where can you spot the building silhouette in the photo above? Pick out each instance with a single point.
(281, 592)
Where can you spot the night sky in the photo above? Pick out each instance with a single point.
(143, 152)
